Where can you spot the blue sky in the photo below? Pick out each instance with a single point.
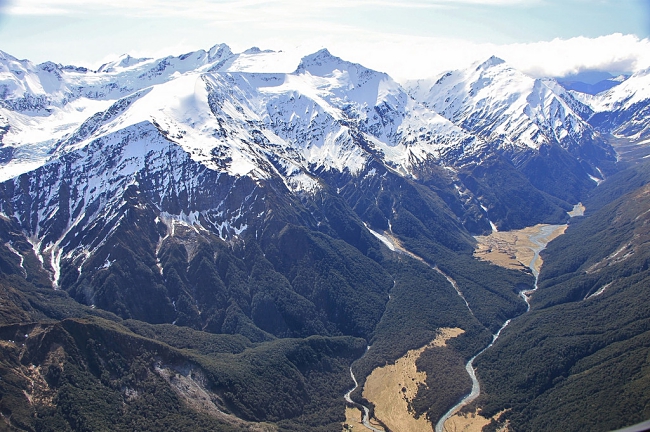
(409, 38)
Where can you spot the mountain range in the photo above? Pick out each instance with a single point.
(235, 237)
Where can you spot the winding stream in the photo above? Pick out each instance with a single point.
(540, 244)
(453, 284)
(476, 388)
(366, 412)
(539, 240)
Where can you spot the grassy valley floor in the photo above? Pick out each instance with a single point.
(391, 388)
(514, 249)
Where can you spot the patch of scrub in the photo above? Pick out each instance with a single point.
(392, 387)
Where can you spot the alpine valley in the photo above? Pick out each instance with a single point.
(203, 242)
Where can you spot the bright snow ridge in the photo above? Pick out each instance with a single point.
(253, 124)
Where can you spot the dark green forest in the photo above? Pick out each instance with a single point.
(271, 323)
(579, 361)
(154, 331)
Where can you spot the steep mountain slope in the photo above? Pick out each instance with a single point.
(329, 114)
(42, 104)
(584, 346)
(96, 374)
(87, 372)
(534, 123)
(228, 203)
(623, 110)
(200, 151)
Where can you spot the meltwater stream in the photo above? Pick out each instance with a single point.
(540, 244)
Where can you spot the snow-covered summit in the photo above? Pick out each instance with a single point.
(323, 63)
(246, 114)
(22, 80)
(310, 119)
(43, 105)
(491, 62)
(207, 136)
(124, 61)
(630, 91)
(624, 110)
(506, 106)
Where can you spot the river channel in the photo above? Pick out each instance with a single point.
(539, 240)
(366, 412)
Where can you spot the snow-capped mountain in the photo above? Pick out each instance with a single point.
(43, 104)
(192, 138)
(508, 108)
(322, 110)
(298, 212)
(623, 110)
(215, 142)
(535, 124)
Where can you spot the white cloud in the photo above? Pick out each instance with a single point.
(209, 9)
(304, 27)
(615, 53)
(409, 57)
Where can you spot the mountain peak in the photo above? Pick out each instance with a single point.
(124, 61)
(127, 60)
(491, 62)
(219, 51)
(322, 53)
(7, 57)
(49, 66)
(257, 50)
(321, 62)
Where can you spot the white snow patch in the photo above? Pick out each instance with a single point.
(595, 179)
(107, 264)
(36, 246)
(240, 230)
(385, 240)
(190, 220)
(20, 256)
(599, 292)
(492, 225)
(370, 173)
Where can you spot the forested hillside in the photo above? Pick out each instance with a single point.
(187, 243)
(579, 359)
